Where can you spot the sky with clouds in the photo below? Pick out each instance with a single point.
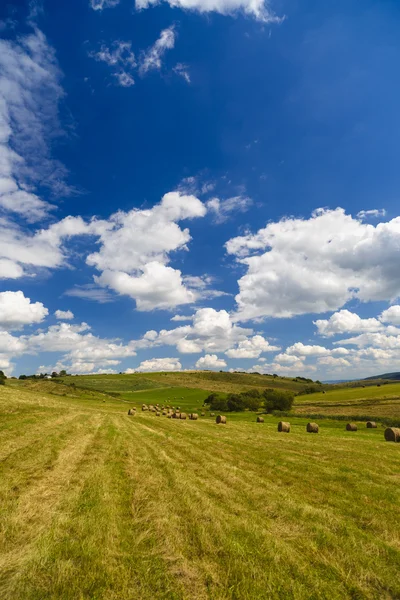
(200, 184)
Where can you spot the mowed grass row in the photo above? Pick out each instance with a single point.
(98, 505)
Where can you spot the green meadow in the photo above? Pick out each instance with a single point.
(98, 505)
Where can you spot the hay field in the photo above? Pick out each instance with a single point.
(383, 401)
(98, 505)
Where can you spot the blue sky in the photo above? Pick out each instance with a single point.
(231, 162)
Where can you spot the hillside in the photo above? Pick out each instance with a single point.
(387, 376)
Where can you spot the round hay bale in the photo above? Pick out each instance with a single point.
(194, 416)
(175, 415)
(158, 414)
(221, 419)
(169, 416)
(260, 420)
(312, 428)
(351, 427)
(284, 427)
(164, 412)
(144, 408)
(203, 414)
(392, 434)
(212, 414)
(183, 416)
(131, 412)
(371, 425)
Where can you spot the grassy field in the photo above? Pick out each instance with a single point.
(98, 505)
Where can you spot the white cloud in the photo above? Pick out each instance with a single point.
(374, 213)
(29, 97)
(102, 4)
(345, 321)
(120, 58)
(210, 361)
(16, 311)
(224, 209)
(256, 8)
(157, 364)
(300, 349)
(251, 348)
(182, 318)
(391, 315)
(152, 58)
(124, 79)
(316, 265)
(64, 314)
(157, 286)
(183, 71)
(90, 291)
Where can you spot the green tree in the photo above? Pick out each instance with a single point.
(277, 400)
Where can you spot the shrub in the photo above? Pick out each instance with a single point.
(277, 400)
(2, 381)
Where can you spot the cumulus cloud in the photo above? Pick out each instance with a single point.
(298, 266)
(16, 311)
(30, 94)
(260, 9)
(152, 58)
(345, 321)
(157, 364)
(64, 315)
(210, 361)
(391, 315)
(224, 209)
(251, 348)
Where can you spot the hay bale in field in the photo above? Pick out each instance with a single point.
(221, 419)
(312, 428)
(260, 420)
(183, 416)
(371, 425)
(131, 412)
(158, 414)
(194, 416)
(169, 416)
(284, 427)
(144, 408)
(212, 414)
(392, 434)
(351, 427)
(175, 415)
(164, 412)
(203, 414)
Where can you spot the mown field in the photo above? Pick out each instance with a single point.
(98, 505)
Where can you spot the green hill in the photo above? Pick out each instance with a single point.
(389, 376)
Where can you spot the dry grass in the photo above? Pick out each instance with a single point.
(94, 505)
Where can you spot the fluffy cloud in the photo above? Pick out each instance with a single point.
(391, 315)
(152, 57)
(256, 8)
(64, 315)
(16, 311)
(157, 364)
(157, 287)
(29, 97)
(345, 321)
(251, 348)
(298, 266)
(223, 209)
(210, 361)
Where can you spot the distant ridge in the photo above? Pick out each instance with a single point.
(395, 376)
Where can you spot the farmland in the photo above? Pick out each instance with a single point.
(98, 505)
